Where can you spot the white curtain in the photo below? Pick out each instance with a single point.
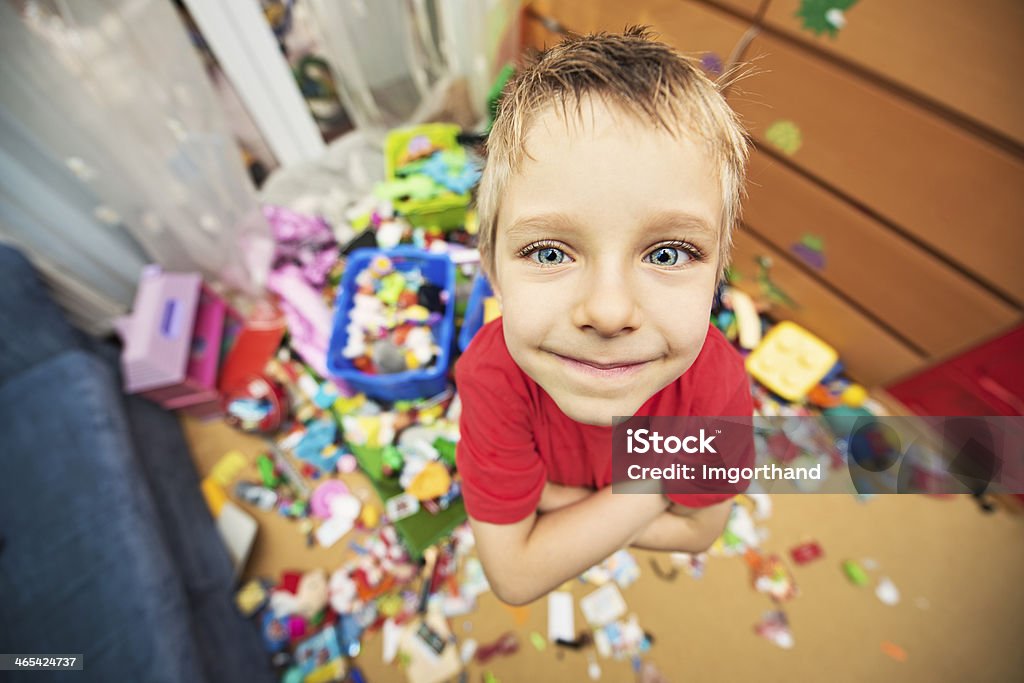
(113, 153)
(408, 61)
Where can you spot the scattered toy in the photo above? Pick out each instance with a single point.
(620, 567)
(507, 644)
(887, 591)
(603, 606)
(770, 576)
(806, 553)
(774, 627)
(561, 619)
(855, 573)
(894, 651)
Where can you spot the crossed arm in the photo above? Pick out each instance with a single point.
(678, 529)
(577, 528)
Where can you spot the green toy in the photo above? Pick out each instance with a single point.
(370, 459)
(446, 449)
(855, 573)
(392, 459)
(495, 93)
(267, 471)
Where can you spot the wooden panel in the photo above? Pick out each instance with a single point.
(748, 8)
(882, 272)
(536, 35)
(965, 55)
(871, 355)
(687, 26)
(947, 188)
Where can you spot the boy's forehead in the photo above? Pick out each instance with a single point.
(596, 133)
(567, 146)
(591, 115)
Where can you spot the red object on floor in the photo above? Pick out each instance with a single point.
(807, 552)
(290, 581)
(507, 644)
(987, 380)
(255, 344)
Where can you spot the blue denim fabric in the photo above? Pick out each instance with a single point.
(32, 326)
(229, 646)
(84, 567)
(109, 547)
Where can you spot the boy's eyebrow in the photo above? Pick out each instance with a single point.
(681, 219)
(660, 220)
(543, 221)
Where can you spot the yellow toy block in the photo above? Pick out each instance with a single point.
(492, 309)
(333, 670)
(790, 361)
(228, 468)
(214, 495)
(432, 482)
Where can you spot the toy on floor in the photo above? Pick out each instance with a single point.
(774, 627)
(257, 405)
(748, 320)
(250, 344)
(770, 576)
(790, 361)
(806, 552)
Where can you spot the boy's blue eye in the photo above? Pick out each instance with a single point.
(665, 256)
(549, 256)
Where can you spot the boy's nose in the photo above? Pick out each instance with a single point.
(607, 304)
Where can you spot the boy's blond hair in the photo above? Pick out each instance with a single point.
(643, 78)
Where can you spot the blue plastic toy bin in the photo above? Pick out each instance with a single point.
(474, 318)
(400, 386)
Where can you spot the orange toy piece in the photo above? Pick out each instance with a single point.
(820, 396)
(770, 576)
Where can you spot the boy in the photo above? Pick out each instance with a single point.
(611, 188)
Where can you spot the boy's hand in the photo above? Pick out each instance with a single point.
(556, 496)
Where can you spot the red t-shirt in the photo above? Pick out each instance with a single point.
(514, 438)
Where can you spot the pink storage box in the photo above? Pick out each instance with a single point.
(203, 409)
(172, 341)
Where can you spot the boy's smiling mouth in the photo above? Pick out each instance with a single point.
(616, 368)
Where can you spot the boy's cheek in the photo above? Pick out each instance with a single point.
(688, 338)
(524, 303)
(521, 328)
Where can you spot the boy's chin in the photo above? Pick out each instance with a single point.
(598, 412)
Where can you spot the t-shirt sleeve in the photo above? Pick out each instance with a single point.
(502, 474)
(731, 400)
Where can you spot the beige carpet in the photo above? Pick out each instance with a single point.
(959, 573)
